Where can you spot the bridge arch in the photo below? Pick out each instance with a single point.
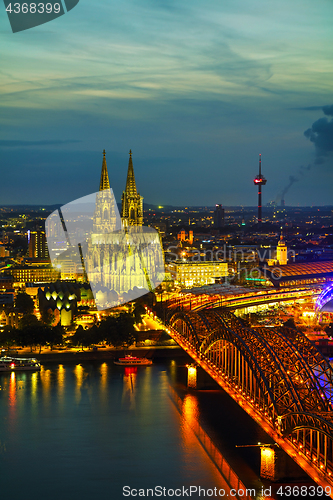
(277, 371)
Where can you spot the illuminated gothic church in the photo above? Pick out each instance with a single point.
(123, 258)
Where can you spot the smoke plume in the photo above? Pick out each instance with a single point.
(292, 179)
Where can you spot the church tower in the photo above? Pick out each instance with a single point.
(282, 252)
(131, 201)
(106, 211)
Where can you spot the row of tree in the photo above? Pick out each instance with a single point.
(35, 335)
(117, 331)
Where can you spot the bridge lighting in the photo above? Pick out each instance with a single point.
(191, 376)
(267, 463)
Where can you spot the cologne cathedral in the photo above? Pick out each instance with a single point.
(123, 259)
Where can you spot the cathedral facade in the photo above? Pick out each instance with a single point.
(123, 259)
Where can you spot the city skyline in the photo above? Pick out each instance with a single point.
(197, 92)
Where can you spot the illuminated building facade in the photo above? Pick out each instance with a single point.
(31, 274)
(131, 201)
(6, 282)
(184, 236)
(282, 252)
(61, 299)
(37, 245)
(71, 270)
(3, 251)
(281, 256)
(197, 273)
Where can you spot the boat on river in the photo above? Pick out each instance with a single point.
(133, 361)
(9, 364)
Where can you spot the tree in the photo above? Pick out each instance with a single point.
(8, 337)
(108, 330)
(118, 330)
(80, 337)
(47, 317)
(40, 335)
(31, 332)
(126, 330)
(25, 303)
(55, 336)
(138, 312)
(28, 321)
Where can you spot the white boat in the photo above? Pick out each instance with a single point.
(9, 364)
(133, 361)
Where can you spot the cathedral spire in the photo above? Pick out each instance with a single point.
(131, 201)
(104, 184)
(130, 189)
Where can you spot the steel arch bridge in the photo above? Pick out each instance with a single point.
(276, 374)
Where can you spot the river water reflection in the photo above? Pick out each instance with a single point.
(86, 430)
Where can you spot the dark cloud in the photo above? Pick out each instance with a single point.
(25, 144)
(328, 110)
(321, 134)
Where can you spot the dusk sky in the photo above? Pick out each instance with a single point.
(197, 89)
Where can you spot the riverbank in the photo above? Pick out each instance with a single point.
(102, 354)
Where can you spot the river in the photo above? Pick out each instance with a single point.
(82, 431)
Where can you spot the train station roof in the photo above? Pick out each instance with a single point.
(305, 273)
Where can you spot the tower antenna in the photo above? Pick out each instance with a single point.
(259, 181)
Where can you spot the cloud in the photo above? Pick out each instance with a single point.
(308, 108)
(328, 110)
(25, 144)
(321, 134)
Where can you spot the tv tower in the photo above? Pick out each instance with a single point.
(259, 180)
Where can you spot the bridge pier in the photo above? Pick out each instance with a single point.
(192, 376)
(276, 465)
(198, 378)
